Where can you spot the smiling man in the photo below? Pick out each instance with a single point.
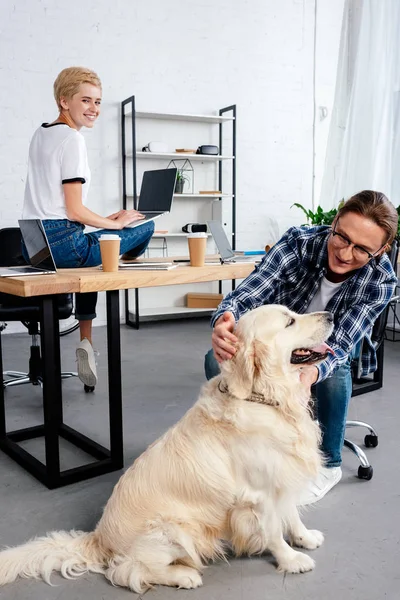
(344, 270)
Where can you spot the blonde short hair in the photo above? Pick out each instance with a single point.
(68, 81)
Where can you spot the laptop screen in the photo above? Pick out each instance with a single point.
(220, 239)
(36, 244)
(157, 190)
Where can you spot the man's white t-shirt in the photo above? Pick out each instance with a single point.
(57, 155)
(325, 292)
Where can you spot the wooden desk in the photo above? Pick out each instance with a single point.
(95, 280)
(46, 288)
(64, 282)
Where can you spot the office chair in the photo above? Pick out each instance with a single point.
(26, 310)
(362, 385)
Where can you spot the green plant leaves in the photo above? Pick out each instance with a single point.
(319, 217)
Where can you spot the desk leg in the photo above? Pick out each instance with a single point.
(106, 460)
(52, 394)
(114, 379)
(2, 405)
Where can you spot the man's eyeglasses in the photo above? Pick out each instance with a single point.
(341, 241)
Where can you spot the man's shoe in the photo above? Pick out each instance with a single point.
(317, 489)
(87, 371)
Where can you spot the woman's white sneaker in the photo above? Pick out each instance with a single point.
(85, 357)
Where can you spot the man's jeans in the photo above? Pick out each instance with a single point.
(71, 247)
(332, 400)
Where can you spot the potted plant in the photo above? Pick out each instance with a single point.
(320, 216)
(180, 182)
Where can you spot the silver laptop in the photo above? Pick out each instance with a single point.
(156, 193)
(38, 248)
(224, 247)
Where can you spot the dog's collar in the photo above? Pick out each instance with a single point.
(254, 396)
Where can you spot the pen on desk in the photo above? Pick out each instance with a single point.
(249, 252)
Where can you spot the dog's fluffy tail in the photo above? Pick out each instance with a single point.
(71, 553)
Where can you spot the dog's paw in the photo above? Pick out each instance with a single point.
(189, 581)
(310, 540)
(297, 563)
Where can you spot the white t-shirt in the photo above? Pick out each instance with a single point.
(57, 155)
(325, 292)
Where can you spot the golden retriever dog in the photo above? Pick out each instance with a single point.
(226, 476)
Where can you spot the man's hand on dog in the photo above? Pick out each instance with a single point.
(223, 340)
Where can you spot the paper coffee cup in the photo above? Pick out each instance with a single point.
(109, 249)
(197, 248)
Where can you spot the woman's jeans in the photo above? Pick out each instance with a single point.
(332, 400)
(71, 247)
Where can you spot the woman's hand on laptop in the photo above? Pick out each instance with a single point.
(115, 215)
(126, 217)
(223, 340)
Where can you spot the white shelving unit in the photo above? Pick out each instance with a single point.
(168, 312)
(197, 196)
(168, 234)
(197, 207)
(181, 156)
(182, 117)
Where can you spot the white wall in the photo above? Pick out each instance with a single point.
(178, 56)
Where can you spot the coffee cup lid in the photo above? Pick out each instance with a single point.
(109, 236)
(197, 234)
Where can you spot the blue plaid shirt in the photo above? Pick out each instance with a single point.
(290, 274)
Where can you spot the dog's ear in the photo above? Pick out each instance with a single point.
(239, 371)
(247, 371)
(261, 364)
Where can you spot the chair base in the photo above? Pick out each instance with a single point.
(20, 378)
(365, 471)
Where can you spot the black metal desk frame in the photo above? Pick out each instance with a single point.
(53, 428)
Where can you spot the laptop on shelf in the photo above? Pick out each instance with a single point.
(38, 248)
(156, 193)
(224, 247)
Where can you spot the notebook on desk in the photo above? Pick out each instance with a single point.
(146, 266)
(156, 194)
(38, 248)
(224, 247)
(149, 267)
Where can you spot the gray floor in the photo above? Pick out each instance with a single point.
(162, 373)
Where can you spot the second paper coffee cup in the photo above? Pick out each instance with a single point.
(109, 249)
(197, 248)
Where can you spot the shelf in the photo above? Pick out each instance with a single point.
(197, 196)
(180, 117)
(172, 312)
(181, 156)
(192, 196)
(169, 234)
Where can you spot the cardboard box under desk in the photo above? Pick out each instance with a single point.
(203, 300)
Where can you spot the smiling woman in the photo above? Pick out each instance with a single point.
(56, 192)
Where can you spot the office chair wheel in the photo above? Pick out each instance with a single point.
(371, 441)
(365, 472)
(88, 388)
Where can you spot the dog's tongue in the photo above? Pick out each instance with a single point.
(322, 348)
